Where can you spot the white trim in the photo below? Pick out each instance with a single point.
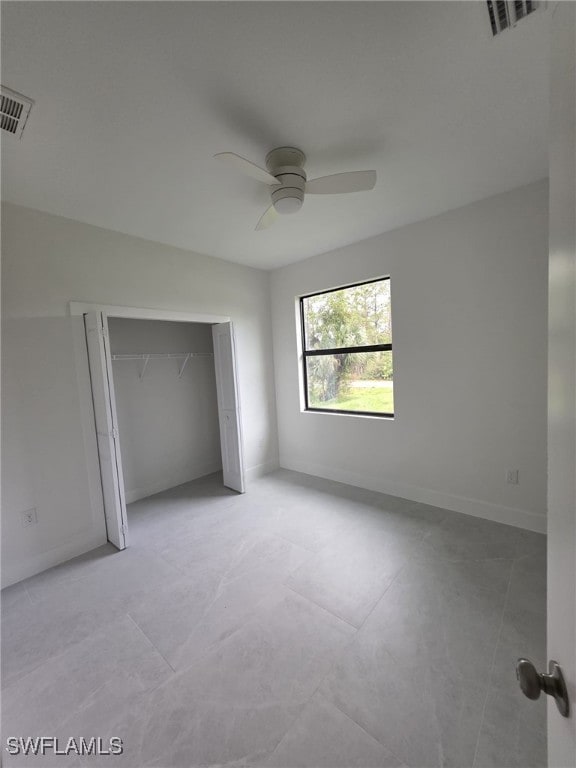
(75, 546)
(229, 407)
(87, 421)
(145, 313)
(79, 308)
(519, 518)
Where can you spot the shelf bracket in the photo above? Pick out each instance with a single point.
(181, 371)
(144, 364)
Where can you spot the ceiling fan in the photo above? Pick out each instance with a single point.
(286, 178)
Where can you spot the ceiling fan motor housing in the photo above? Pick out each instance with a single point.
(289, 196)
(285, 163)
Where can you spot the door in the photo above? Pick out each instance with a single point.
(106, 427)
(228, 406)
(562, 379)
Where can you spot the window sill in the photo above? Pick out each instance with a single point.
(373, 416)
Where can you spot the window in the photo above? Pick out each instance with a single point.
(347, 349)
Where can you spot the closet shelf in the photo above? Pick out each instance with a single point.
(146, 357)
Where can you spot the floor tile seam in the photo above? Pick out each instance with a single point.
(409, 539)
(371, 736)
(529, 609)
(149, 641)
(296, 544)
(215, 594)
(86, 703)
(220, 642)
(226, 577)
(61, 566)
(182, 513)
(119, 601)
(492, 666)
(377, 603)
(316, 690)
(345, 648)
(523, 558)
(439, 559)
(56, 656)
(484, 590)
(60, 583)
(518, 561)
(199, 660)
(180, 570)
(348, 641)
(78, 710)
(321, 607)
(279, 536)
(83, 706)
(24, 603)
(481, 559)
(540, 564)
(518, 546)
(289, 727)
(30, 600)
(438, 732)
(83, 580)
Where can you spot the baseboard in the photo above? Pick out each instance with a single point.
(519, 518)
(163, 485)
(253, 473)
(76, 546)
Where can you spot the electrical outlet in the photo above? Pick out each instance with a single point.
(29, 517)
(512, 477)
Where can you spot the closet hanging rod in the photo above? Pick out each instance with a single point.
(147, 356)
(157, 355)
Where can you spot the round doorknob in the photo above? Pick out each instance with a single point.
(533, 683)
(529, 679)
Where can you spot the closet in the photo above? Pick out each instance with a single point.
(166, 403)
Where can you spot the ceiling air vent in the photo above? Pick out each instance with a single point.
(507, 13)
(14, 111)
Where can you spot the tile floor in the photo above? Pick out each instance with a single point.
(306, 623)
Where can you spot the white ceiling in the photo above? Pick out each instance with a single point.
(133, 99)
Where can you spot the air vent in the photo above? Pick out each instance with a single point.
(14, 111)
(507, 13)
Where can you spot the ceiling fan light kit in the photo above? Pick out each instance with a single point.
(286, 165)
(287, 179)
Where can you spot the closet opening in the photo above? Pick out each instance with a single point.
(166, 406)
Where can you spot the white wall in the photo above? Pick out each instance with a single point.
(562, 379)
(168, 425)
(469, 303)
(48, 445)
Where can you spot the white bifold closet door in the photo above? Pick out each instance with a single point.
(106, 427)
(228, 406)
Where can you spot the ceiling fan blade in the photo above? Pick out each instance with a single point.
(267, 219)
(245, 166)
(340, 183)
